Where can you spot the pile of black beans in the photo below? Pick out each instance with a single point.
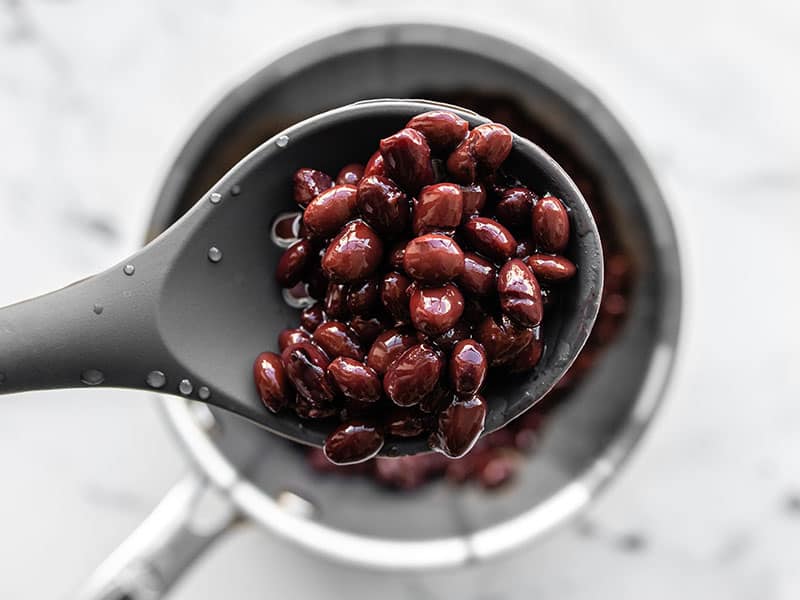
(427, 266)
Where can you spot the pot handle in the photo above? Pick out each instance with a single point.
(185, 523)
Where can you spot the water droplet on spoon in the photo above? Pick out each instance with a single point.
(185, 387)
(97, 309)
(282, 141)
(92, 377)
(203, 393)
(129, 269)
(156, 379)
(214, 254)
(215, 198)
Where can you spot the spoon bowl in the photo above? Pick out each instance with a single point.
(187, 314)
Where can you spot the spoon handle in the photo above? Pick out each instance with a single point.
(100, 331)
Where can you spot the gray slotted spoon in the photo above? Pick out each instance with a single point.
(188, 314)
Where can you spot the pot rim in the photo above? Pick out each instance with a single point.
(383, 553)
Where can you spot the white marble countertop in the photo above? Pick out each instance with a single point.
(96, 96)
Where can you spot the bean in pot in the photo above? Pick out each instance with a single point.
(413, 375)
(502, 338)
(489, 238)
(407, 159)
(362, 297)
(433, 258)
(308, 184)
(271, 381)
(550, 224)
(468, 365)
(353, 254)
(329, 211)
(350, 174)
(293, 263)
(514, 208)
(353, 442)
(548, 267)
(383, 205)
(287, 337)
(375, 166)
(355, 380)
(460, 426)
(306, 365)
(387, 347)
(443, 129)
(520, 295)
(337, 339)
(311, 318)
(479, 276)
(438, 208)
(435, 310)
(530, 355)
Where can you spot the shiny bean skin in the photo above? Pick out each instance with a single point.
(350, 174)
(355, 380)
(375, 166)
(491, 145)
(328, 212)
(462, 164)
(433, 258)
(287, 337)
(293, 263)
(460, 426)
(489, 238)
(550, 224)
(530, 355)
(362, 297)
(336, 301)
(271, 381)
(337, 339)
(311, 318)
(479, 276)
(473, 199)
(551, 268)
(502, 339)
(413, 375)
(394, 297)
(353, 254)
(520, 295)
(467, 367)
(308, 184)
(407, 159)
(514, 208)
(387, 348)
(435, 310)
(306, 365)
(353, 442)
(443, 129)
(367, 329)
(404, 422)
(448, 340)
(383, 205)
(438, 208)
(481, 152)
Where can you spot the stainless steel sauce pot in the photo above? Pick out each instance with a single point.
(352, 520)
